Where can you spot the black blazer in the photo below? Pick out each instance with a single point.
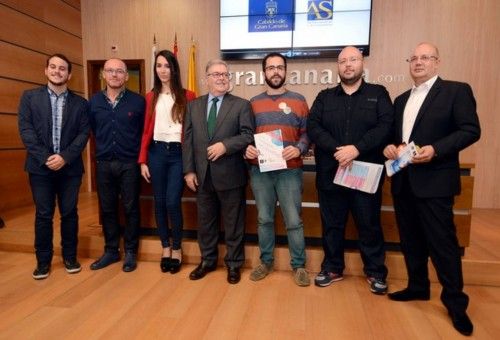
(234, 128)
(448, 121)
(35, 128)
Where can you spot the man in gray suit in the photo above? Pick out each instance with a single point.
(217, 129)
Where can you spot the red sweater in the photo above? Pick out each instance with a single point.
(149, 125)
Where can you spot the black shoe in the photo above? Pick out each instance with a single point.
(408, 295)
(462, 323)
(105, 260)
(200, 271)
(41, 271)
(165, 264)
(175, 266)
(130, 262)
(72, 266)
(233, 275)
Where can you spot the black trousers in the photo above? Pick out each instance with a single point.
(46, 190)
(426, 229)
(335, 206)
(215, 206)
(119, 180)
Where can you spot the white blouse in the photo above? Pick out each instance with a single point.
(166, 130)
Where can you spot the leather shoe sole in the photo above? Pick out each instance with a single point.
(104, 261)
(462, 323)
(165, 264)
(175, 266)
(200, 272)
(408, 295)
(233, 275)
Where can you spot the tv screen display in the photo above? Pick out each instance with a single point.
(249, 29)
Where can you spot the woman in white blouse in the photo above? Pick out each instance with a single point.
(161, 154)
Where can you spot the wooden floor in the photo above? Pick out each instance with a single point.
(147, 304)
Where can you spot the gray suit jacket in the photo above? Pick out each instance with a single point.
(234, 128)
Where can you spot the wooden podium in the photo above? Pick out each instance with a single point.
(311, 216)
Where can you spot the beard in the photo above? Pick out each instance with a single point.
(352, 80)
(269, 82)
(59, 83)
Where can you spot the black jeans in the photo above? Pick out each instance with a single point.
(365, 208)
(119, 180)
(45, 190)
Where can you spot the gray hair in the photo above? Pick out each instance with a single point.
(215, 62)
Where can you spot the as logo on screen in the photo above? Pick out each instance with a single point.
(319, 10)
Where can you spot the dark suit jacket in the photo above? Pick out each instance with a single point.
(234, 128)
(35, 128)
(448, 121)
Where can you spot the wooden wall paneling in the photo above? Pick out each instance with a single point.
(35, 35)
(14, 187)
(58, 13)
(23, 64)
(9, 138)
(10, 94)
(468, 53)
(74, 3)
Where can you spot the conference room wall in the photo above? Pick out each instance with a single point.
(464, 30)
(31, 31)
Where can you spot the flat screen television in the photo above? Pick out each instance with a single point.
(249, 29)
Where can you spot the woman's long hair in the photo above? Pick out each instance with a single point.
(176, 89)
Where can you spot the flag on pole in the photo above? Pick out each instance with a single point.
(191, 85)
(175, 45)
(153, 58)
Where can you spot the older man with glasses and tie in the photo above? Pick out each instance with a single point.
(217, 129)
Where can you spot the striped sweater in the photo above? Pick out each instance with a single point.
(287, 112)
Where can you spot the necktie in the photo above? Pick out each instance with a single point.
(212, 117)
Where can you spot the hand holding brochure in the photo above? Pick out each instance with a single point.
(270, 146)
(404, 157)
(361, 176)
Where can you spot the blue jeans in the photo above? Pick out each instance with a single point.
(119, 180)
(334, 207)
(165, 167)
(286, 187)
(46, 189)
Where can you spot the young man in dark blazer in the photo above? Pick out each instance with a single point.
(217, 129)
(54, 127)
(440, 117)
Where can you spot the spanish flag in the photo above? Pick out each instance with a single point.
(191, 83)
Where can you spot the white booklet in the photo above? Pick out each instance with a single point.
(361, 176)
(404, 157)
(270, 146)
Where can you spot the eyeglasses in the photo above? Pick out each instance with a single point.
(117, 71)
(273, 68)
(424, 58)
(217, 75)
(345, 60)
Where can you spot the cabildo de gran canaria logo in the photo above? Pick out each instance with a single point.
(270, 15)
(319, 10)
